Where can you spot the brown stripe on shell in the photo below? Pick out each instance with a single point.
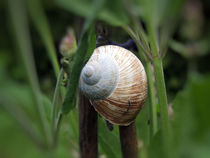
(116, 117)
(133, 105)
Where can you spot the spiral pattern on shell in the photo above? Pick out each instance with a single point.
(115, 81)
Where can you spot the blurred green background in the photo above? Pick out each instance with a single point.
(186, 68)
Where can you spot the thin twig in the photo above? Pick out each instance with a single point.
(88, 138)
(128, 140)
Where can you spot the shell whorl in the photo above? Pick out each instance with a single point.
(99, 77)
(118, 85)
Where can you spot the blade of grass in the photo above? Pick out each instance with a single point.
(21, 35)
(40, 21)
(79, 58)
(68, 103)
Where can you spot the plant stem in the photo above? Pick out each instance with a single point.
(161, 91)
(128, 141)
(152, 102)
(160, 84)
(88, 138)
(153, 114)
(162, 97)
(55, 99)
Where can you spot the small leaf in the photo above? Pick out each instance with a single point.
(92, 44)
(77, 66)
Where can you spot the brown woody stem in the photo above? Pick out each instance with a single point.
(88, 139)
(128, 140)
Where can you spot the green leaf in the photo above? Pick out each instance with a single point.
(70, 98)
(92, 44)
(40, 21)
(82, 54)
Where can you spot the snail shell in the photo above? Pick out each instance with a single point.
(115, 81)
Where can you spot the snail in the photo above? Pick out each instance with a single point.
(115, 82)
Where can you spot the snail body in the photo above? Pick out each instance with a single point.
(115, 81)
